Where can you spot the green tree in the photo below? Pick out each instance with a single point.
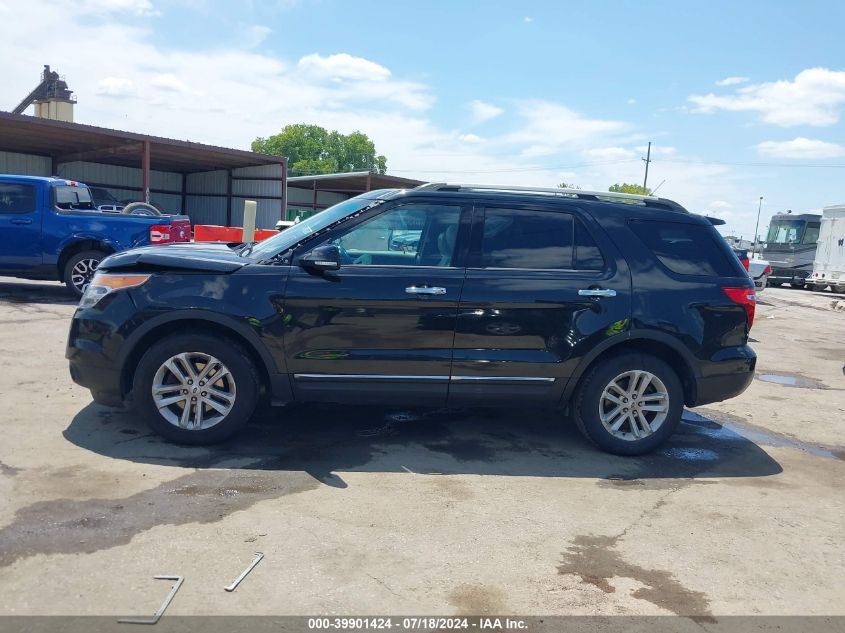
(312, 149)
(629, 188)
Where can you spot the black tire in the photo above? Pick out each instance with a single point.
(74, 268)
(231, 354)
(589, 393)
(798, 285)
(140, 208)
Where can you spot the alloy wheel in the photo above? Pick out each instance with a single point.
(633, 405)
(83, 273)
(193, 391)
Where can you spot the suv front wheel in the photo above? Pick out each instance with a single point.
(629, 404)
(195, 389)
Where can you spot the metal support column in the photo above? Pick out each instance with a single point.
(285, 189)
(314, 201)
(229, 198)
(184, 194)
(145, 171)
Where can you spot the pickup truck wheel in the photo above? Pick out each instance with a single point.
(80, 269)
(195, 389)
(629, 404)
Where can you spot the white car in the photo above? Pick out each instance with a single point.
(759, 271)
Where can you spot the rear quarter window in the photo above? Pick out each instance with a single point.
(687, 249)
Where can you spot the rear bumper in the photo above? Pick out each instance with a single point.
(718, 388)
(788, 276)
(726, 377)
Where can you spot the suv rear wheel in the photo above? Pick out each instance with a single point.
(629, 404)
(195, 389)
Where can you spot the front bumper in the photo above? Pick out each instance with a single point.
(93, 348)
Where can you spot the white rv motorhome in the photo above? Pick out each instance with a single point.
(829, 265)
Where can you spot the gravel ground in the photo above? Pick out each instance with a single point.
(365, 511)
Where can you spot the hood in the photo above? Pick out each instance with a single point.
(202, 256)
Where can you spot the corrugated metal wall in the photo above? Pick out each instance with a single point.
(303, 197)
(125, 183)
(269, 211)
(205, 209)
(24, 164)
(207, 205)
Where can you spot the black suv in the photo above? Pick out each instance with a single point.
(618, 309)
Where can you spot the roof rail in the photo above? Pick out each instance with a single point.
(607, 196)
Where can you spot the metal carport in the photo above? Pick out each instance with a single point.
(204, 181)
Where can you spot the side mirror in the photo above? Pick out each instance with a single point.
(326, 257)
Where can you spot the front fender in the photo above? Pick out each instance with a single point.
(213, 318)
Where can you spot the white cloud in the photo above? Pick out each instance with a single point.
(815, 97)
(657, 150)
(732, 81)
(547, 126)
(343, 66)
(610, 153)
(483, 111)
(631, 101)
(721, 204)
(470, 138)
(170, 83)
(800, 147)
(255, 34)
(528, 19)
(136, 7)
(115, 87)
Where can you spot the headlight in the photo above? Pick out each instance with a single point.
(105, 283)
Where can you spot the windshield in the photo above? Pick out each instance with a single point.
(317, 222)
(70, 197)
(786, 232)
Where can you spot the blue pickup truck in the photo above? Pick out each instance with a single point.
(50, 229)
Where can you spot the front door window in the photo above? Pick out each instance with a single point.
(409, 235)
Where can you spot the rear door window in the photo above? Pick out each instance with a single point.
(587, 253)
(526, 238)
(16, 198)
(686, 249)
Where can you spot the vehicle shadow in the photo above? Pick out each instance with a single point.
(19, 291)
(326, 441)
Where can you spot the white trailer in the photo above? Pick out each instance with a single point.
(829, 265)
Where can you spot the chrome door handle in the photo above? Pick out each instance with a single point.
(596, 293)
(425, 290)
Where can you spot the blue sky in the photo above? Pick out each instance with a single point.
(740, 99)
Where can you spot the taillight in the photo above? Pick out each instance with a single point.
(746, 263)
(768, 270)
(745, 297)
(159, 234)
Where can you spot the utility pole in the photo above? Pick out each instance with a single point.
(757, 226)
(647, 160)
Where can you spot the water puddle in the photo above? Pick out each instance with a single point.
(719, 426)
(691, 454)
(793, 380)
